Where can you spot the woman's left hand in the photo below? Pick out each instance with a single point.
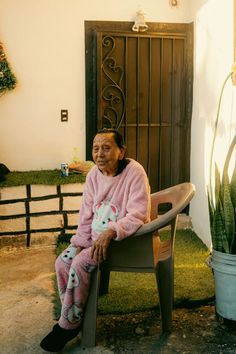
(100, 246)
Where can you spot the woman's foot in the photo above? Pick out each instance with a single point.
(57, 339)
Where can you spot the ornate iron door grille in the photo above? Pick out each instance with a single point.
(144, 88)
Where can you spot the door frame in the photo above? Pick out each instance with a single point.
(91, 27)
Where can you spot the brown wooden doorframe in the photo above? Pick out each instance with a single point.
(173, 31)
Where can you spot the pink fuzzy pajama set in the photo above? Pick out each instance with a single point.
(120, 203)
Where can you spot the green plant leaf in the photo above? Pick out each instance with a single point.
(219, 239)
(229, 218)
(233, 187)
(218, 188)
(233, 198)
(211, 208)
(230, 210)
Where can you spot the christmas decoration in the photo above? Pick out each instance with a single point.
(7, 78)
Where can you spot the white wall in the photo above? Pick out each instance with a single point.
(44, 43)
(212, 62)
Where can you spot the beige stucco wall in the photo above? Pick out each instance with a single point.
(213, 60)
(44, 42)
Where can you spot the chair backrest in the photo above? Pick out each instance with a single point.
(142, 241)
(178, 196)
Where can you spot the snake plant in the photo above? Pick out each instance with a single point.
(222, 199)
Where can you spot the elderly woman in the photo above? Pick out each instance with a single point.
(116, 202)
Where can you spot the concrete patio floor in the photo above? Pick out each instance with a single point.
(26, 295)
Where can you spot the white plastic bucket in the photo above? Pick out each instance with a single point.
(224, 266)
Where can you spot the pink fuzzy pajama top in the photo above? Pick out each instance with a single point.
(120, 203)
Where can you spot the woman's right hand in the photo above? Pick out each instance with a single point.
(101, 245)
(79, 249)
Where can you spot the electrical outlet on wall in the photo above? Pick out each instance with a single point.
(64, 115)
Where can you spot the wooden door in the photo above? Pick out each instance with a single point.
(143, 85)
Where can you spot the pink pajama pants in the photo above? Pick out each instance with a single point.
(73, 280)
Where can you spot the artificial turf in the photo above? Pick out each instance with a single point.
(132, 292)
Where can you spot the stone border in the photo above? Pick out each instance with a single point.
(39, 208)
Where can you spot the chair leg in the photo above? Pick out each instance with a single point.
(104, 282)
(89, 324)
(165, 283)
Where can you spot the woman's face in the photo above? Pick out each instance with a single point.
(106, 153)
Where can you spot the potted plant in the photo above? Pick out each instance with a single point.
(222, 213)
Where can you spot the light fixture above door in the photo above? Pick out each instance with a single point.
(139, 23)
(173, 3)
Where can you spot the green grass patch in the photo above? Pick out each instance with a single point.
(48, 177)
(132, 292)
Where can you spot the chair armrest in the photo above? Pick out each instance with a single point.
(179, 196)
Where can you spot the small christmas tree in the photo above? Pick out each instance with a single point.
(7, 78)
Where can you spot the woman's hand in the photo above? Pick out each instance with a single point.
(79, 249)
(100, 246)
